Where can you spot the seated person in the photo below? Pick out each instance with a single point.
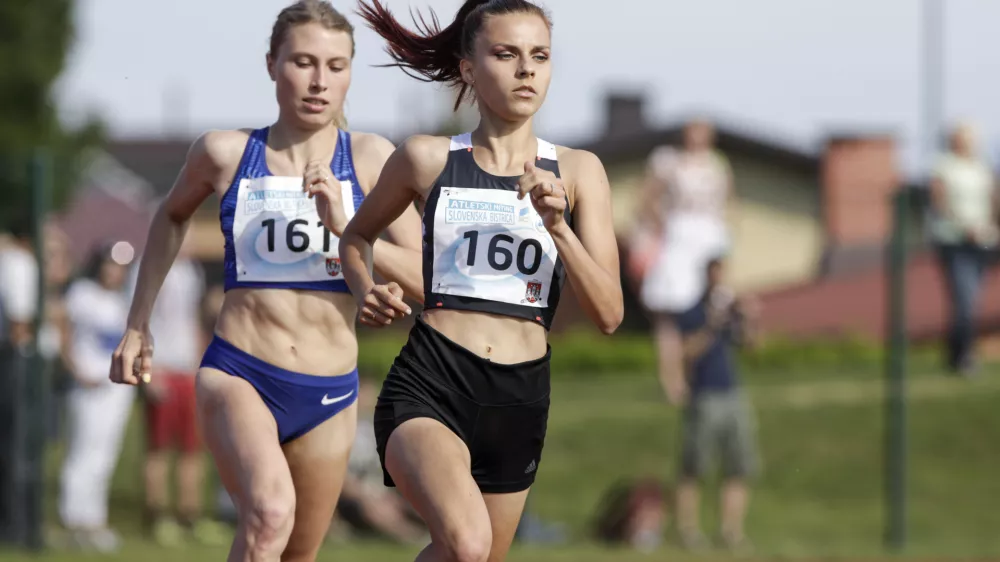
(365, 504)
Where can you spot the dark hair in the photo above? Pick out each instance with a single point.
(432, 54)
(22, 226)
(620, 504)
(100, 254)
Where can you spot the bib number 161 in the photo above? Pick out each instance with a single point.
(295, 240)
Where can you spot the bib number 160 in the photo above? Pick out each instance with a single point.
(295, 240)
(501, 258)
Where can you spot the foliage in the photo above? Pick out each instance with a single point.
(35, 36)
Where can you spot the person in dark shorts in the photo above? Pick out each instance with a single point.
(717, 418)
(507, 219)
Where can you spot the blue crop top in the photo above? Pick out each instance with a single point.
(273, 234)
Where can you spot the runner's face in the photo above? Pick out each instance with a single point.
(312, 73)
(510, 68)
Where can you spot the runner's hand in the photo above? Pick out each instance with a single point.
(382, 305)
(548, 196)
(132, 361)
(319, 183)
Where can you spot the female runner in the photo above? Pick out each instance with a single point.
(507, 218)
(277, 385)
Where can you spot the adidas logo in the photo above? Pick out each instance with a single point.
(531, 467)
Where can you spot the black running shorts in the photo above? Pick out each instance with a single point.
(499, 411)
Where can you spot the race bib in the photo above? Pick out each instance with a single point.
(490, 245)
(278, 236)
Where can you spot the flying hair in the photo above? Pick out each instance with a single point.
(432, 54)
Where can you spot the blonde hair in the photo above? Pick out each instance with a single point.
(310, 11)
(964, 131)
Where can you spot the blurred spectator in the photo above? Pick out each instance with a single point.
(365, 503)
(55, 330)
(964, 230)
(171, 408)
(533, 529)
(718, 415)
(682, 224)
(98, 409)
(19, 288)
(58, 259)
(18, 285)
(633, 513)
(18, 303)
(211, 304)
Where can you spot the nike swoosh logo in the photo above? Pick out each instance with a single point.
(327, 401)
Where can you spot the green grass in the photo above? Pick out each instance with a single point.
(588, 354)
(368, 552)
(820, 494)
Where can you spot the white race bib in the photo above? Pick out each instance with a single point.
(490, 245)
(278, 236)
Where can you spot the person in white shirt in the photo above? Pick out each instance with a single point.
(18, 286)
(98, 409)
(18, 304)
(964, 230)
(171, 407)
(683, 223)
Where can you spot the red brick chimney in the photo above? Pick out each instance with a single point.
(858, 177)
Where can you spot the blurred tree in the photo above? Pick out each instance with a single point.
(35, 36)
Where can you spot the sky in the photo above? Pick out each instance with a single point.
(794, 71)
